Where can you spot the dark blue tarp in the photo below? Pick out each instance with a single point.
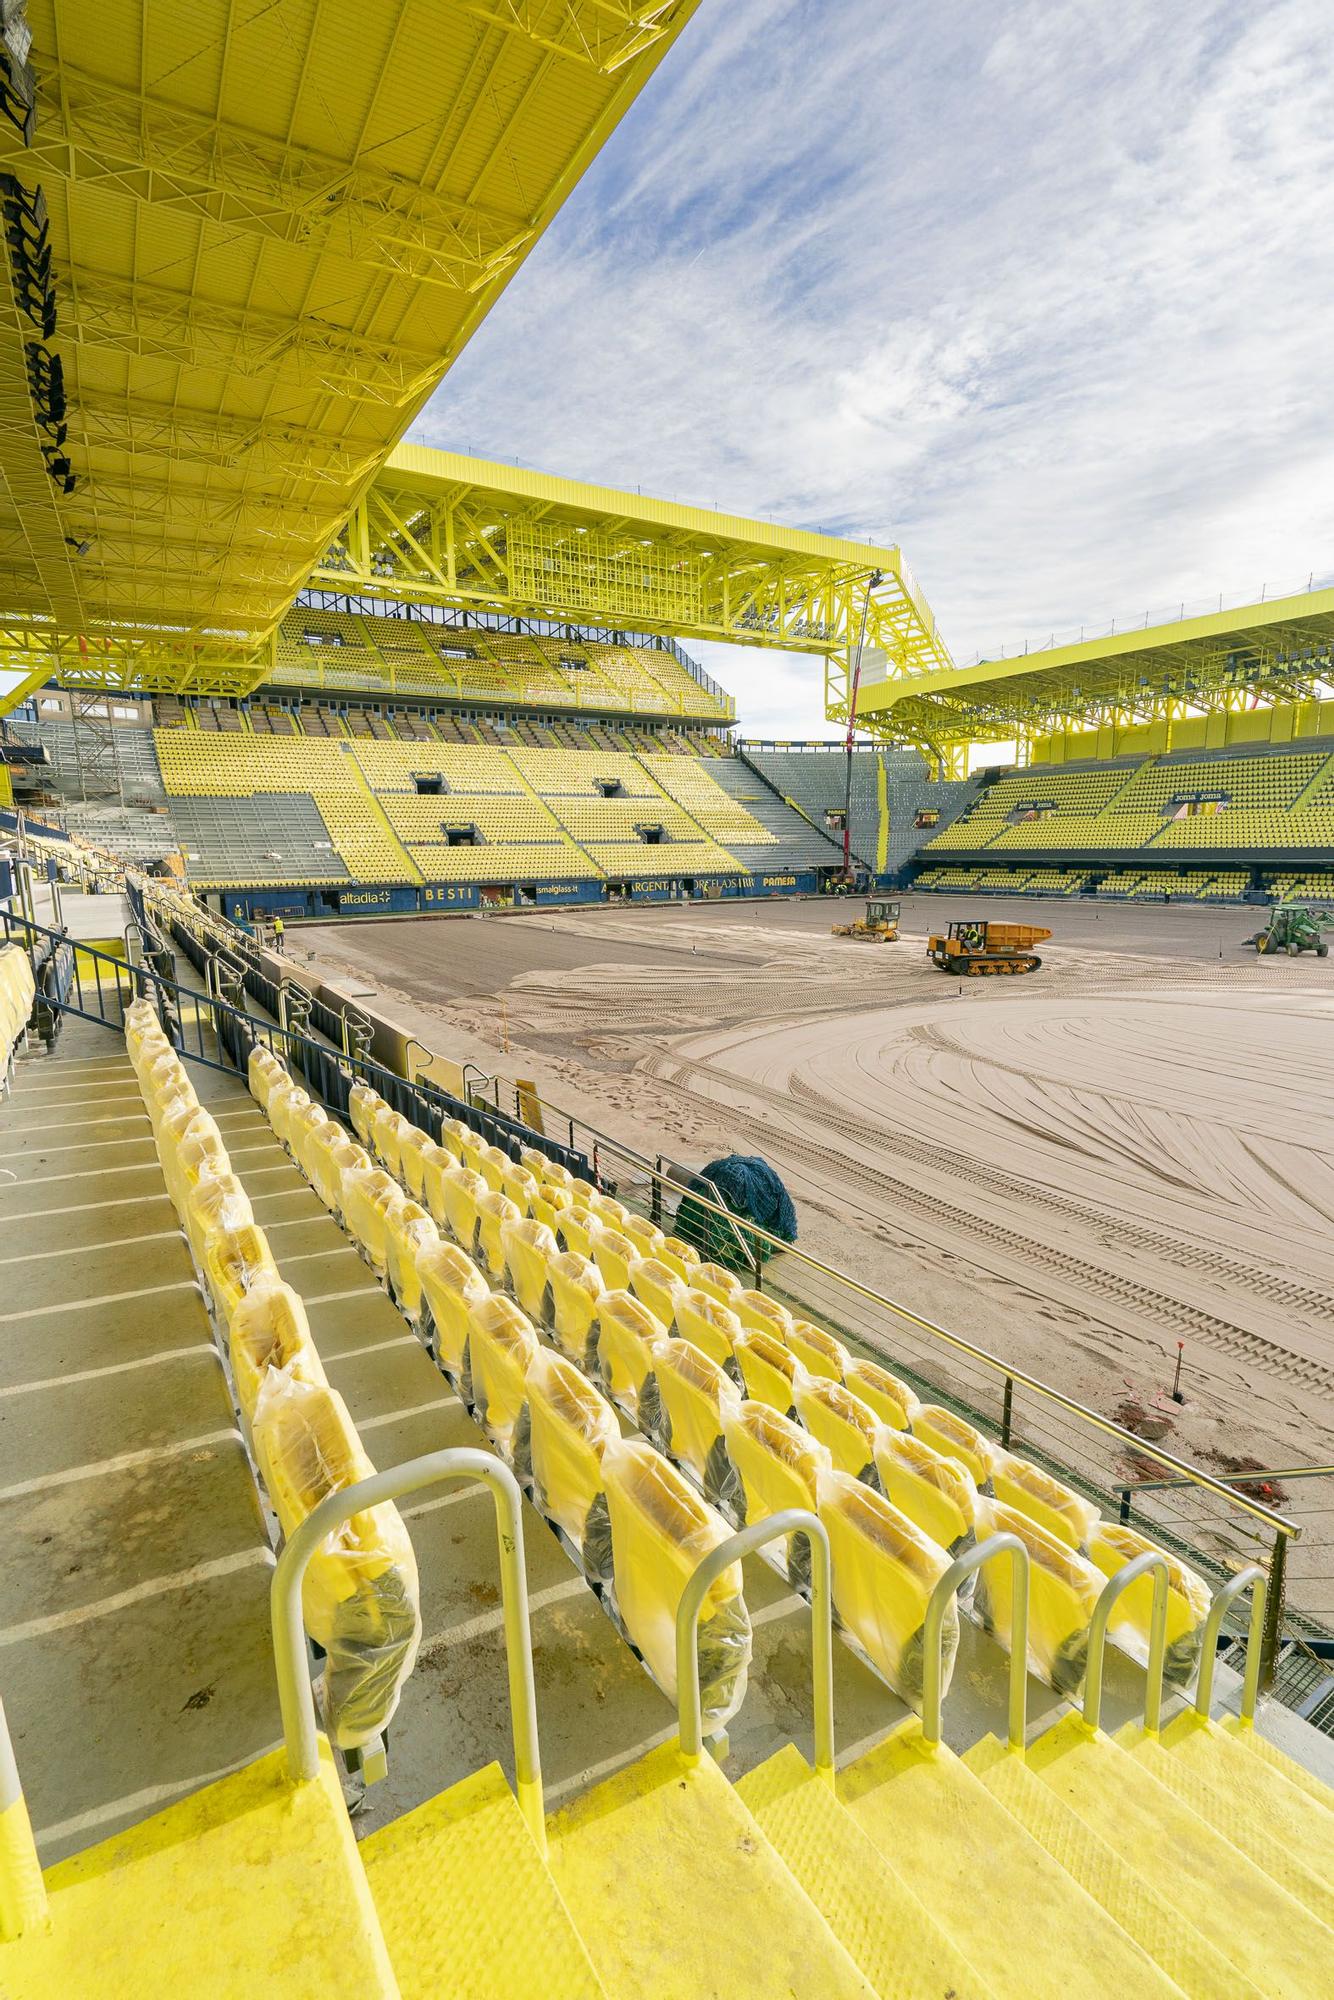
(753, 1192)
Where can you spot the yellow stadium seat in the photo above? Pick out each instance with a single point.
(363, 1104)
(387, 1131)
(647, 1238)
(263, 1073)
(460, 1193)
(216, 1201)
(305, 1122)
(777, 1463)
(235, 1262)
(817, 1351)
(624, 1333)
(1053, 1505)
(570, 1426)
(269, 1329)
(661, 1530)
(891, 1399)
(695, 1398)
(658, 1285)
(955, 1438)
(768, 1368)
(713, 1328)
(451, 1286)
(360, 1595)
(409, 1230)
(682, 1256)
(494, 1213)
(885, 1570)
(548, 1202)
(501, 1346)
(331, 1157)
(1063, 1589)
(368, 1200)
(936, 1492)
(757, 1309)
(284, 1106)
(614, 1255)
(493, 1165)
(529, 1248)
(611, 1213)
(1110, 1547)
(521, 1187)
(718, 1282)
(575, 1285)
(575, 1229)
(841, 1421)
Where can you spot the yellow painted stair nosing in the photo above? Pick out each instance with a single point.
(1250, 1743)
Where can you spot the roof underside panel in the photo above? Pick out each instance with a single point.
(272, 228)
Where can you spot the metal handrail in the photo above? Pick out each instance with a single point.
(1251, 1578)
(933, 1666)
(1155, 1560)
(790, 1521)
(289, 1650)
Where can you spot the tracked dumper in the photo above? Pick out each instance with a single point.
(977, 950)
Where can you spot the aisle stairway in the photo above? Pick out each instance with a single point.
(1196, 1862)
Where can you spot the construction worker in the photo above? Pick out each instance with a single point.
(278, 936)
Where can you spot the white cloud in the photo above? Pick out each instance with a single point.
(1041, 291)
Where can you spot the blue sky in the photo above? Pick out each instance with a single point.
(1043, 292)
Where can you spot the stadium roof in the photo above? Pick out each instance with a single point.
(251, 240)
(1254, 655)
(436, 528)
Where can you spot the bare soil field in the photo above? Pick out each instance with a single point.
(1077, 1170)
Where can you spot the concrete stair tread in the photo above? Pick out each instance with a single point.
(1141, 1909)
(1266, 1933)
(1018, 1917)
(902, 1950)
(677, 1893)
(1293, 1846)
(250, 1886)
(467, 1906)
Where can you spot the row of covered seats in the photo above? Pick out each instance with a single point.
(758, 1409)
(360, 1596)
(17, 993)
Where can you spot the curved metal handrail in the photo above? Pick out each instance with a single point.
(1155, 1560)
(1251, 1578)
(289, 1649)
(791, 1520)
(933, 1668)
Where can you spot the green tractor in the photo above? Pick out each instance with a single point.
(1294, 928)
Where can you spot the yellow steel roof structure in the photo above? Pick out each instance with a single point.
(437, 528)
(1257, 654)
(266, 230)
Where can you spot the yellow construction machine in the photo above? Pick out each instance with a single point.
(880, 925)
(976, 949)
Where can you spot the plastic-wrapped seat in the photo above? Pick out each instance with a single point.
(885, 1570)
(614, 1255)
(369, 1198)
(817, 1351)
(661, 1530)
(841, 1421)
(438, 1163)
(501, 1345)
(574, 1286)
(453, 1132)
(575, 1229)
(471, 1148)
(768, 1368)
(493, 1165)
(892, 1400)
(334, 1153)
(494, 1213)
(936, 1492)
(719, 1283)
(360, 1596)
(777, 1463)
(269, 1329)
(306, 1121)
(529, 1247)
(362, 1105)
(1053, 1505)
(1110, 1548)
(957, 1439)
(624, 1336)
(235, 1261)
(460, 1193)
(520, 1186)
(658, 1286)
(283, 1108)
(765, 1315)
(712, 1327)
(451, 1286)
(415, 1147)
(646, 1236)
(550, 1172)
(570, 1426)
(682, 1256)
(142, 1029)
(264, 1074)
(1063, 1589)
(408, 1231)
(612, 1214)
(683, 1408)
(215, 1201)
(548, 1203)
(387, 1130)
